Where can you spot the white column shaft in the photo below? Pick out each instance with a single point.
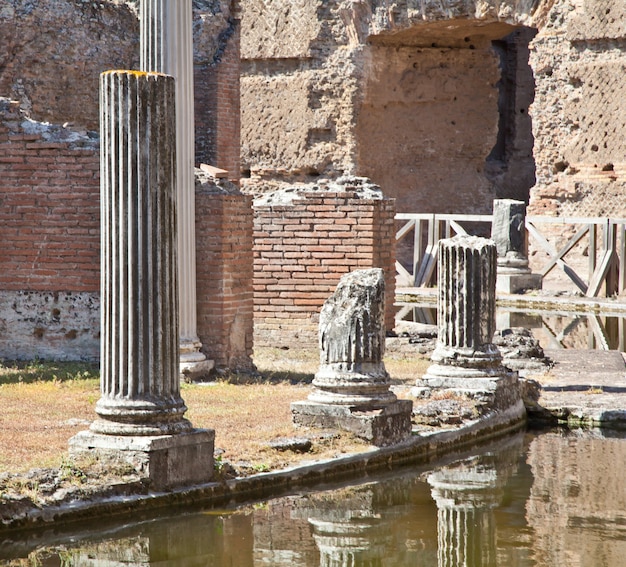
(167, 47)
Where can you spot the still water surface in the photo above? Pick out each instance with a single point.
(552, 499)
(553, 329)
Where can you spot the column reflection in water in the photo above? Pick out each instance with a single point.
(208, 540)
(466, 494)
(350, 530)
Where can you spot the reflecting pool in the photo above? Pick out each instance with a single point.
(553, 498)
(553, 329)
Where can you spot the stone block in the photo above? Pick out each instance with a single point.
(388, 425)
(166, 460)
(496, 392)
(516, 283)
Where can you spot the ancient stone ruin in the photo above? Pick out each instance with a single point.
(445, 105)
(166, 43)
(509, 235)
(141, 413)
(351, 387)
(465, 360)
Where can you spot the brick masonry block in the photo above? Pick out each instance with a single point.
(347, 234)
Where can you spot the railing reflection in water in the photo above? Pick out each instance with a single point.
(553, 329)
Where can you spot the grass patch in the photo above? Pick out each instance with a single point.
(40, 371)
(44, 404)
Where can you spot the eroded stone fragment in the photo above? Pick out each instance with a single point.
(351, 388)
(508, 231)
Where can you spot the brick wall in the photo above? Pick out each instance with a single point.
(50, 240)
(301, 250)
(224, 275)
(217, 107)
(49, 207)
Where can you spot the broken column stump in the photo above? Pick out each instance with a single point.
(141, 412)
(508, 231)
(465, 360)
(351, 388)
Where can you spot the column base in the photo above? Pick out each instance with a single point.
(196, 371)
(517, 282)
(166, 460)
(193, 364)
(383, 426)
(493, 389)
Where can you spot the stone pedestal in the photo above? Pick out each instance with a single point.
(509, 234)
(352, 386)
(167, 47)
(465, 360)
(140, 410)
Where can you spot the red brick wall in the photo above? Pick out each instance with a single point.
(49, 210)
(217, 108)
(301, 251)
(224, 277)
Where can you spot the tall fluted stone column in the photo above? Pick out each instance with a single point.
(351, 387)
(465, 360)
(141, 412)
(508, 231)
(167, 47)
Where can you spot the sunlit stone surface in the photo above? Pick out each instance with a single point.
(141, 412)
(352, 386)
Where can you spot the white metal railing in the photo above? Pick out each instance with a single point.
(606, 264)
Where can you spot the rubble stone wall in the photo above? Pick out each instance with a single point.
(301, 250)
(52, 53)
(579, 113)
(408, 96)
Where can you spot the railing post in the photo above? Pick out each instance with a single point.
(417, 248)
(592, 249)
(621, 284)
(612, 275)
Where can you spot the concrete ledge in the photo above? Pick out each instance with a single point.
(516, 283)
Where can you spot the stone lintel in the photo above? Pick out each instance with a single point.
(388, 425)
(166, 460)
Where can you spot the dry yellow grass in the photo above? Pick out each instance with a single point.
(43, 405)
